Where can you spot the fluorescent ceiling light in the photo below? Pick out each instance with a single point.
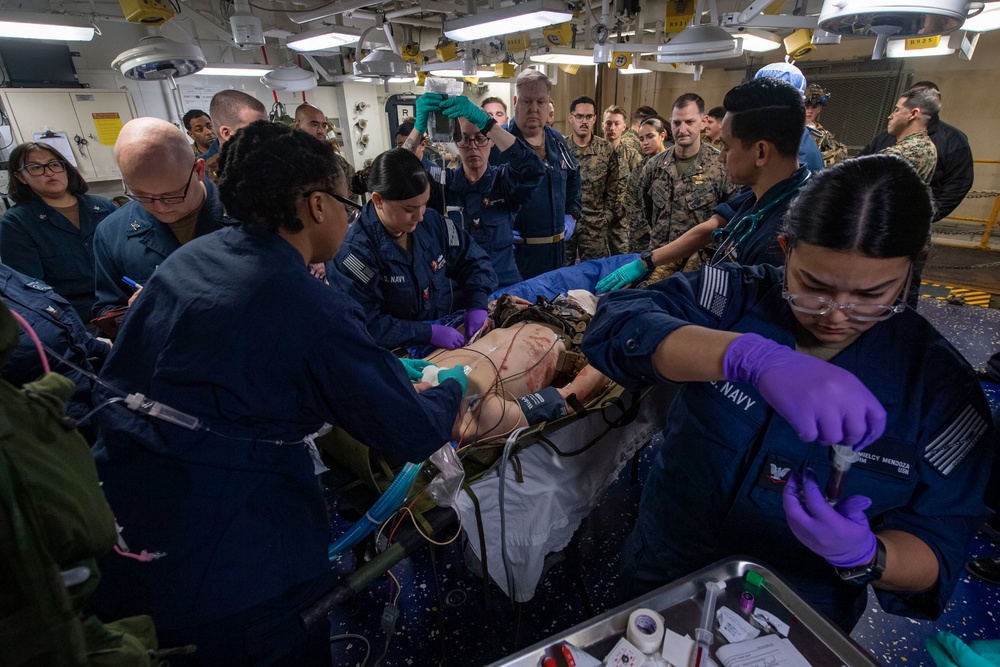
(505, 20)
(699, 42)
(897, 49)
(632, 69)
(235, 70)
(57, 27)
(481, 73)
(758, 41)
(563, 56)
(327, 37)
(988, 20)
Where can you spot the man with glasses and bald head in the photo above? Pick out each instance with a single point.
(483, 198)
(172, 203)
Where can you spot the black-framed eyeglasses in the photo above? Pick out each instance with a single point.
(478, 140)
(353, 207)
(859, 312)
(172, 199)
(584, 116)
(35, 169)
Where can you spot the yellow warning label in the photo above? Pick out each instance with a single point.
(916, 43)
(108, 125)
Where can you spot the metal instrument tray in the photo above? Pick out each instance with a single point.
(820, 642)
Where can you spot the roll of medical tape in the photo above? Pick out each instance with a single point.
(645, 630)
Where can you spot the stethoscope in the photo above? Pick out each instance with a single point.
(727, 239)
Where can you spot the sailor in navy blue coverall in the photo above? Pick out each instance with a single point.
(234, 330)
(58, 326)
(717, 487)
(401, 289)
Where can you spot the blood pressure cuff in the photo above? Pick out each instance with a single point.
(543, 406)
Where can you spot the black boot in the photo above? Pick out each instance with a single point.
(986, 569)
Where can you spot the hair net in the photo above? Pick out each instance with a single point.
(785, 72)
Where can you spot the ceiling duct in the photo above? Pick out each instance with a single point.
(157, 58)
(901, 20)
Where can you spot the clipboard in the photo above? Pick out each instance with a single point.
(58, 141)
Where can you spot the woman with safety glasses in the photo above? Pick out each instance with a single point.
(48, 234)
(780, 363)
(482, 198)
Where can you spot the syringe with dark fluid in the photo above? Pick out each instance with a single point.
(844, 457)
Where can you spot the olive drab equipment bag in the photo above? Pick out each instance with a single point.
(54, 522)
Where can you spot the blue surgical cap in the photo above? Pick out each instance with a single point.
(785, 72)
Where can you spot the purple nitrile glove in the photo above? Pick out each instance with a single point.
(821, 401)
(474, 320)
(446, 337)
(517, 235)
(841, 534)
(570, 223)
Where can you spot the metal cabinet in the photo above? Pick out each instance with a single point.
(91, 120)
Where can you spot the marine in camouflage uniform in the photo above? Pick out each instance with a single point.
(598, 172)
(706, 141)
(833, 151)
(629, 162)
(630, 138)
(919, 151)
(666, 204)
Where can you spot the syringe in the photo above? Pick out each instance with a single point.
(703, 633)
(843, 458)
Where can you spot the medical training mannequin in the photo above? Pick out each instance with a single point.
(400, 260)
(233, 330)
(512, 370)
(778, 363)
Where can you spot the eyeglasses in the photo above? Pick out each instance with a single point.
(35, 169)
(478, 140)
(172, 199)
(859, 312)
(353, 207)
(584, 116)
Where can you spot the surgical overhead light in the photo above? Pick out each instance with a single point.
(58, 27)
(327, 37)
(634, 69)
(895, 18)
(988, 20)
(528, 15)
(290, 78)
(697, 43)
(158, 58)
(558, 55)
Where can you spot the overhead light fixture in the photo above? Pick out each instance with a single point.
(757, 40)
(290, 78)
(506, 20)
(559, 55)
(697, 43)
(459, 69)
(158, 58)
(57, 27)
(481, 73)
(226, 69)
(988, 19)
(897, 48)
(917, 18)
(383, 63)
(327, 37)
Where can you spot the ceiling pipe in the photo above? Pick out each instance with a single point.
(332, 9)
(365, 15)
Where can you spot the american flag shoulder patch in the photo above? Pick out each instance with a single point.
(357, 268)
(950, 447)
(714, 293)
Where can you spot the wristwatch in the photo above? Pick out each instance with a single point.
(490, 124)
(646, 257)
(865, 573)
